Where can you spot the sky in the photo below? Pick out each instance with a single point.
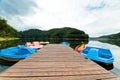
(94, 17)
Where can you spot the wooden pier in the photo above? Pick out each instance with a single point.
(56, 62)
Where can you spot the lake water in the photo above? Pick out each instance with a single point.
(3, 67)
(114, 49)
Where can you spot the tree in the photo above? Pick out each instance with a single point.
(6, 30)
(58, 33)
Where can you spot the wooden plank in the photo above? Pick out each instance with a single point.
(81, 77)
(56, 62)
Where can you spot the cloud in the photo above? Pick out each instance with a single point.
(13, 10)
(104, 26)
(96, 5)
(95, 17)
(107, 21)
(60, 13)
(15, 7)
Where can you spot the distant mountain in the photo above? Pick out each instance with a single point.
(6, 30)
(57, 33)
(112, 36)
(111, 39)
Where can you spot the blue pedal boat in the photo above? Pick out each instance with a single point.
(16, 53)
(65, 43)
(98, 54)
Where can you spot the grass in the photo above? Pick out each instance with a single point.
(7, 38)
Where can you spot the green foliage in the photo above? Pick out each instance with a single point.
(115, 36)
(112, 36)
(57, 33)
(6, 30)
(112, 39)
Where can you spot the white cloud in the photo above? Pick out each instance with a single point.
(61, 13)
(108, 20)
(95, 17)
(105, 25)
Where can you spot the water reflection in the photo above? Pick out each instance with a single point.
(73, 42)
(111, 41)
(3, 67)
(6, 44)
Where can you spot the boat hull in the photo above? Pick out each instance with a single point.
(107, 66)
(11, 59)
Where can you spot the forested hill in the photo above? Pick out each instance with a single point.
(6, 30)
(65, 32)
(112, 36)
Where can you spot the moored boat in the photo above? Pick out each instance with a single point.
(44, 42)
(34, 44)
(79, 48)
(65, 43)
(98, 54)
(16, 53)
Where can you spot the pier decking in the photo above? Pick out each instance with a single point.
(56, 62)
